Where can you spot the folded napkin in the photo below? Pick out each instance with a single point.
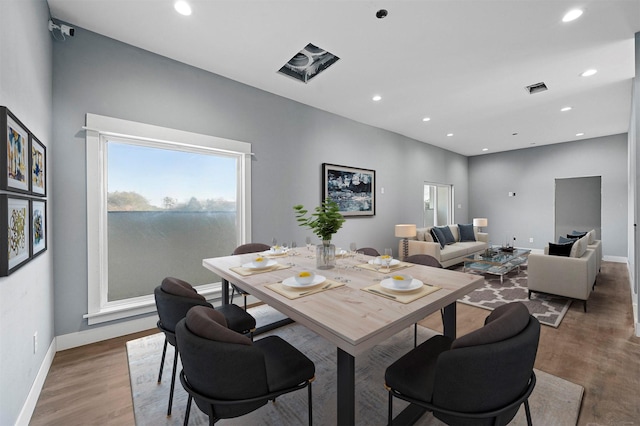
(401, 296)
(383, 269)
(245, 272)
(296, 293)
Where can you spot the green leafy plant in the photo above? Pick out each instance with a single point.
(324, 222)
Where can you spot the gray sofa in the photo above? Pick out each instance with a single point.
(573, 276)
(450, 254)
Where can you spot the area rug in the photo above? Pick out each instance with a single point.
(548, 309)
(554, 400)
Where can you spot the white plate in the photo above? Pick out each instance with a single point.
(269, 264)
(272, 252)
(341, 253)
(376, 261)
(291, 282)
(388, 284)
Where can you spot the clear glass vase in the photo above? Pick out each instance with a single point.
(325, 255)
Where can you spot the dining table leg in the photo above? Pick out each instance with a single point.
(225, 291)
(346, 388)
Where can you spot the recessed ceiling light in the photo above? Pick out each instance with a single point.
(572, 15)
(579, 134)
(566, 109)
(426, 119)
(589, 73)
(449, 134)
(182, 7)
(376, 98)
(514, 134)
(485, 149)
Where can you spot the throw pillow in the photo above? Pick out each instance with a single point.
(579, 234)
(579, 247)
(563, 240)
(560, 249)
(448, 235)
(438, 236)
(466, 232)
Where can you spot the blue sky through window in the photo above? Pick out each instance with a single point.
(157, 173)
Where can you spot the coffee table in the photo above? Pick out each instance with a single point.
(496, 261)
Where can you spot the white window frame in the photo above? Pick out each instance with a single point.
(100, 128)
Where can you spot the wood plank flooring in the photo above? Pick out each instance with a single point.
(89, 385)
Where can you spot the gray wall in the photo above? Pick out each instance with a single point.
(26, 296)
(531, 174)
(99, 75)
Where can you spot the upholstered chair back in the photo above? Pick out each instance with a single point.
(488, 368)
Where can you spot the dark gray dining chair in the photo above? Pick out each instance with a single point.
(369, 251)
(481, 378)
(228, 375)
(426, 260)
(174, 297)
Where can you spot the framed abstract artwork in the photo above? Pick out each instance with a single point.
(38, 167)
(38, 227)
(353, 189)
(14, 232)
(14, 153)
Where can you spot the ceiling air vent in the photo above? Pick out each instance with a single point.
(308, 63)
(536, 88)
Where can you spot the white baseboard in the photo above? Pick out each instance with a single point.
(98, 334)
(616, 259)
(32, 399)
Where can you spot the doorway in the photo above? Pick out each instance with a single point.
(578, 205)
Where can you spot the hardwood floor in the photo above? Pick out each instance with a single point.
(598, 350)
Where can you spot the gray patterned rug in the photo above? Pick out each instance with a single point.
(554, 400)
(548, 309)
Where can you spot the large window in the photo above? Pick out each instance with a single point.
(159, 201)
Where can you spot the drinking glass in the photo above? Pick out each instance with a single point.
(353, 247)
(308, 240)
(388, 256)
(292, 252)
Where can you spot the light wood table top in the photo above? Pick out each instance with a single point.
(352, 319)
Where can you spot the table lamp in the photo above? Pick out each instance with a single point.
(405, 231)
(479, 222)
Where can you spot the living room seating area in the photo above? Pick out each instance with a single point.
(448, 244)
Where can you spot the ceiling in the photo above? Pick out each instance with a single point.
(463, 64)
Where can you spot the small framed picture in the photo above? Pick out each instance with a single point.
(38, 167)
(14, 232)
(353, 189)
(38, 227)
(14, 153)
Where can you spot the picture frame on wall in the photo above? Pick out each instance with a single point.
(38, 167)
(14, 153)
(352, 188)
(15, 233)
(38, 227)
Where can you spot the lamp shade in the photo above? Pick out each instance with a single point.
(480, 222)
(405, 231)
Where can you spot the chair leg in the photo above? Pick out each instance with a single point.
(390, 418)
(245, 302)
(415, 334)
(528, 412)
(173, 379)
(310, 406)
(585, 306)
(164, 352)
(188, 412)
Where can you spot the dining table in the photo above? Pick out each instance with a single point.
(354, 305)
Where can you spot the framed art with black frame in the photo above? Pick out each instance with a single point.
(38, 167)
(353, 189)
(14, 153)
(38, 227)
(14, 232)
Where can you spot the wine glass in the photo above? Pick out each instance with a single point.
(308, 241)
(292, 252)
(387, 258)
